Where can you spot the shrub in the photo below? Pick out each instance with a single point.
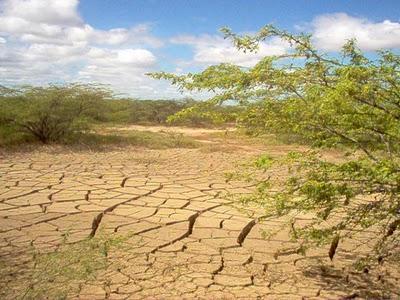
(346, 100)
(51, 113)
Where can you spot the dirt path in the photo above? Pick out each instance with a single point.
(186, 238)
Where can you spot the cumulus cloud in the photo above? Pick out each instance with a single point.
(331, 31)
(213, 49)
(45, 41)
(110, 64)
(58, 22)
(52, 12)
(124, 69)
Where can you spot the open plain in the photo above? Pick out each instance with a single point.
(182, 234)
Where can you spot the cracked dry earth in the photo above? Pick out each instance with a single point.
(186, 239)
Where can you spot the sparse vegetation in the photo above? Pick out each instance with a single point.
(50, 114)
(58, 274)
(67, 114)
(143, 155)
(349, 101)
(145, 139)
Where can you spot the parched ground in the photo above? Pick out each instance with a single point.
(183, 235)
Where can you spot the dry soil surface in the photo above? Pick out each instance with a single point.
(187, 239)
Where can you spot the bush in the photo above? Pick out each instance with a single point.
(58, 113)
(51, 113)
(165, 112)
(345, 100)
(10, 135)
(145, 139)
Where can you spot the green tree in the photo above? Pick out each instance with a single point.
(51, 113)
(343, 100)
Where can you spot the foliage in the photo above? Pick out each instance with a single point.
(11, 136)
(51, 113)
(66, 113)
(345, 99)
(147, 139)
(165, 112)
(141, 111)
(212, 111)
(203, 114)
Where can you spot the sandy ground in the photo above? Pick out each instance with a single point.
(194, 132)
(188, 239)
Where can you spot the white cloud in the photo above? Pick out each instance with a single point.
(58, 22)
(122, 68)
(213, 49)
(137, 57)
(331, 31)
(53, 12)
(123, 58)
(44, 41)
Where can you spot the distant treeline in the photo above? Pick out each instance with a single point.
(54, 113)
(150, 112)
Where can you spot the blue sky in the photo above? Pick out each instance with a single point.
(117, 41)
(206, 16)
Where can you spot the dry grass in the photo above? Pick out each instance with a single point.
(56, 274)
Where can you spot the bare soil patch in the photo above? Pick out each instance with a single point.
(159, 224)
